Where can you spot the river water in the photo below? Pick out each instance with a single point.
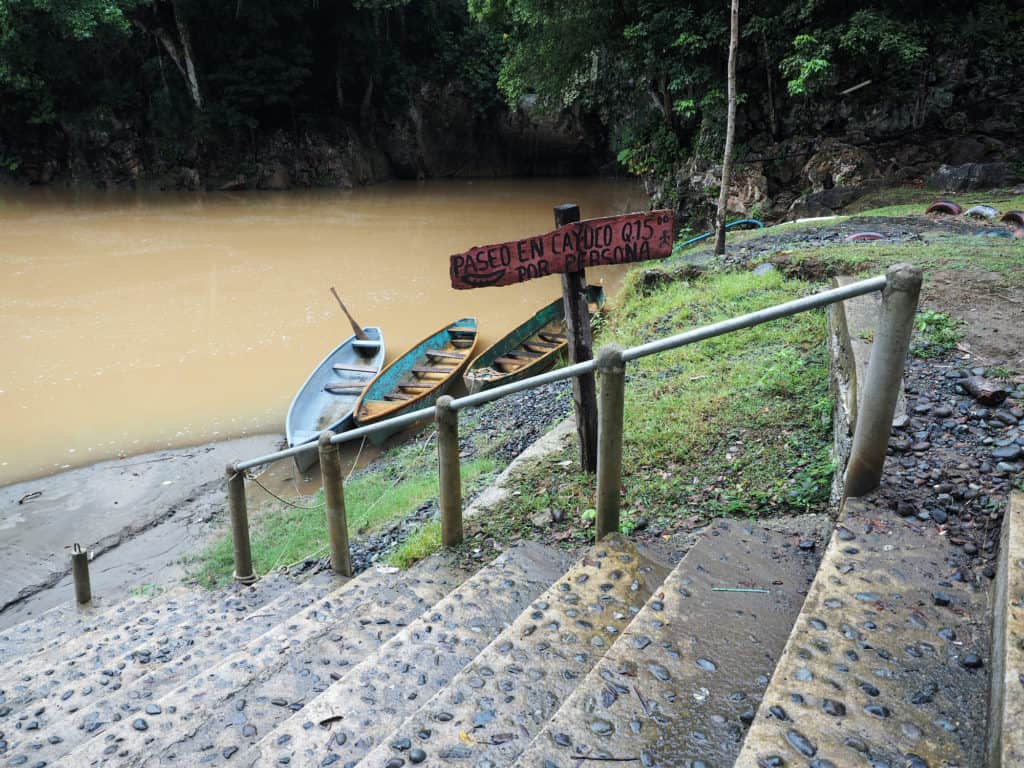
(136, 321)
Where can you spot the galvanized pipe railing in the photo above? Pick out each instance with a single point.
(899, 286)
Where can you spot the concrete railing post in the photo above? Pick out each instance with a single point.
(334, 505)
(449, 473)
(610, 400)
(884, 375)
(80, 574)
(240, 526)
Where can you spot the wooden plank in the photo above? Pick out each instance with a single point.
(581, 342)
(415, 385)
(396, 396)
(470, 331)
(523, 353)
(558, 338)
(509, 361)
(354, 367)
(571, 247)
(421, 369)
(445, 355)
(535, 346)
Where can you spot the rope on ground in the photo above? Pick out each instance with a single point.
(252, 478)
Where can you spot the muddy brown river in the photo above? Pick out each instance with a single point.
(130, 322)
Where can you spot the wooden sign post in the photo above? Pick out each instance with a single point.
(581, 347)
(568, 250)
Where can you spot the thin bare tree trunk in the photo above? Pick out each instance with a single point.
(773, 122)
(186, 54)
(730, 128)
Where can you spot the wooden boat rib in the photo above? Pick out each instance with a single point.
(532, 348)
(328, 397)
(420, 376)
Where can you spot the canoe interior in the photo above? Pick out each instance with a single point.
(329, 395)
(532, 348)
(421, 375)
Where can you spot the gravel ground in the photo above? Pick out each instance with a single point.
(954, 462)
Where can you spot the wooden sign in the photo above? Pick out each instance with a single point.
(570, 248)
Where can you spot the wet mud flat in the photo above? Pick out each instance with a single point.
(138, 516)
(143, 515)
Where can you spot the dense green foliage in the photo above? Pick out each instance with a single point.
(259, 65)
(655, 69)
(185, 72)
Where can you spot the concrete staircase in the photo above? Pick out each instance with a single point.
(766, 645)
(538, 661)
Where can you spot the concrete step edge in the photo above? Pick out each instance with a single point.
(532, 667)
(680, 684)
(1006, 738)
(73, 681)
(113, 719)
(882, 663)
(389, 684)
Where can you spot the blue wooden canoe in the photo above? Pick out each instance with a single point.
(419, 377)
(328, 398)
(532, 348)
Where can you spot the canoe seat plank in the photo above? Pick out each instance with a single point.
(445, 355)
(538, 347)
(556, 338)
(397, 396)
(421, 369)
(462, 343)
(462, 331)
(523, 353)
(415, 385)
(337, 388)
(355, 367)
(509, 361)
(345, 384)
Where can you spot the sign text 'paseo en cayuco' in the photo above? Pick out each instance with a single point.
(570, 248)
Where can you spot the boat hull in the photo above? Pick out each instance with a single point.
(483, 373)
(318, 407)
(417, 378)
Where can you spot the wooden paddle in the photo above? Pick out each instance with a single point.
(355, 326)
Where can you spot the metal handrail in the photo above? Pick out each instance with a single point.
(803, 304)
(900, 287)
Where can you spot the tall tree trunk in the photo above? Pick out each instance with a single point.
(730, 128)
(773, 122)
(189, 59)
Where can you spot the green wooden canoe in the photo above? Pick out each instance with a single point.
(532, 348)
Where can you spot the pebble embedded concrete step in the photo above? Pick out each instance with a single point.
(343, 628)
(506, 695)
(681, 683)
(51, 628)
(102, 651)
(210, 634)
(41, 635)
(1006, 739)
(884, 666)
(376, 695)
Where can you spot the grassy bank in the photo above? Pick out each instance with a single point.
(738, 425)
(282, 535)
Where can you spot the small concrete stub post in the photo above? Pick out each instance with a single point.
(884, 375)
(240, 526)
(80, 574)
(610, 401)
(334, 505)
(449, 472)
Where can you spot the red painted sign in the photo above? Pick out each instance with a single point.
(590, 243)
